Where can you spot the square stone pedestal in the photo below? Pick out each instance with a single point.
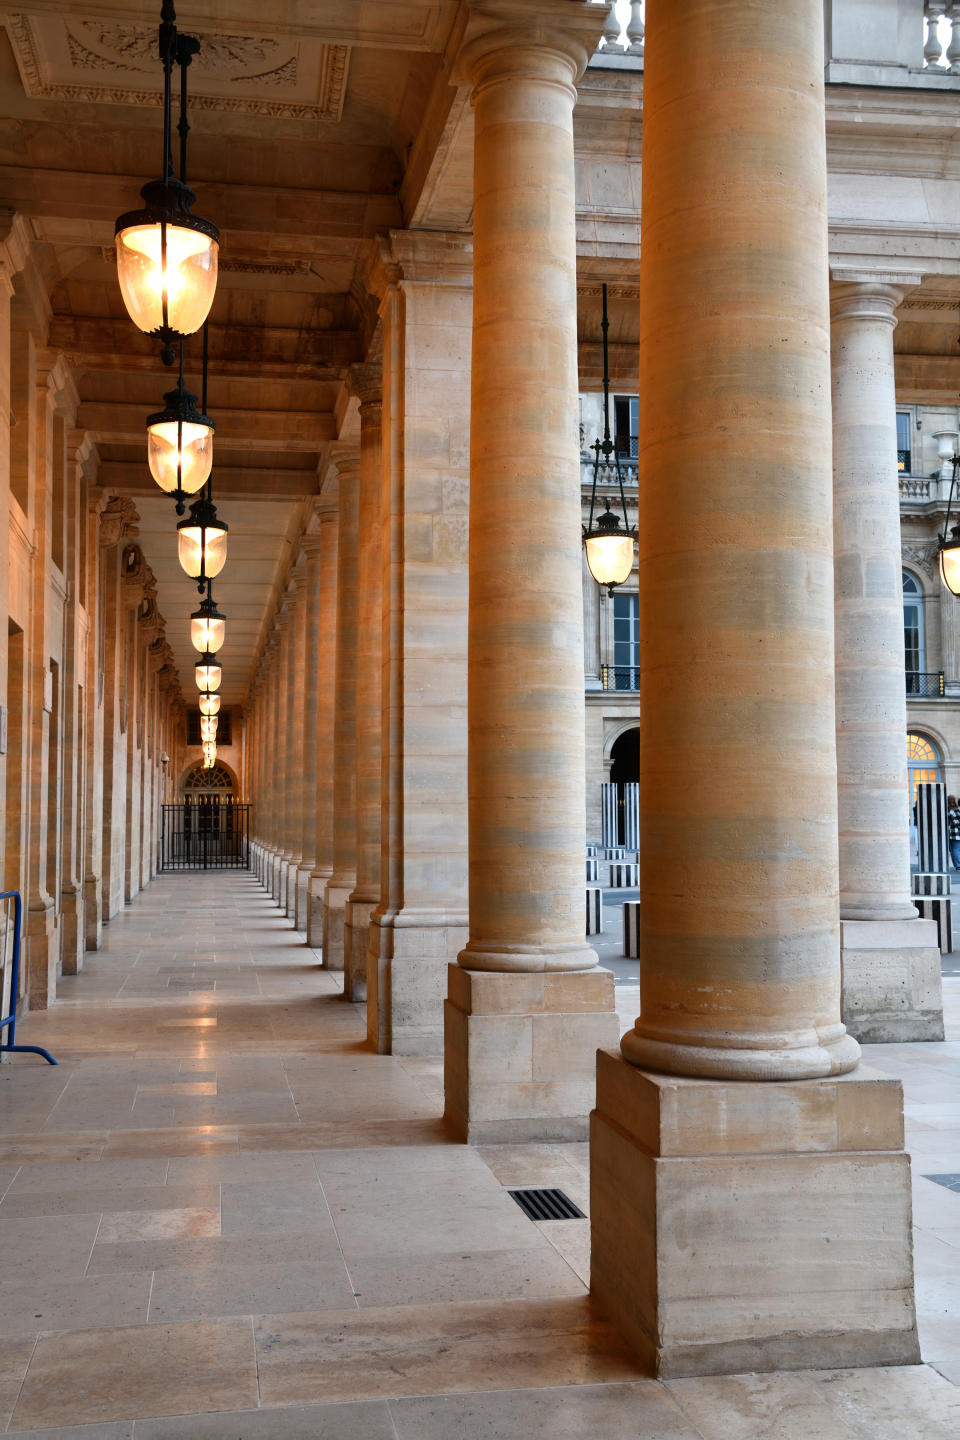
(740, 1226)
(72, 939)
(334, 923)
(519, 1052)
(892, 988)
(407, 962)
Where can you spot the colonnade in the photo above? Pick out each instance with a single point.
(91, 717)
(734, 1109)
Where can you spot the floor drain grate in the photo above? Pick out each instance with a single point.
(952, 1182)
(546, 1205)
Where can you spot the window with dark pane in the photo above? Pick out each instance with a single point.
(903, 441)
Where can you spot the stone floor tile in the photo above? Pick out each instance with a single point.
(408, 1215)
(92, 1201)
(571, 1239)
(119, 1226)
(369, 1421)
(516, 1165)
(205, 1253)
(33, 1303)
(339, 1135)
(639, 1411)
(436, 1349)
(759, 1407)
(44, 1245)
(51, 1149)
(15, 1353)
(100, 1175)
(172, 1143)
(382, 1163)
(253, 1288)
(96, 1376)
(292, 1207)
(475, 1275)
(272, 1166)
(116, 1430)
(878, 1403)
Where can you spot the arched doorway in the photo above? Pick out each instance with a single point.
(199, 781)
(624, 772)
(625, 758)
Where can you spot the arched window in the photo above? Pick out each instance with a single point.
(913, 656)
(923, 762)
(199, 781)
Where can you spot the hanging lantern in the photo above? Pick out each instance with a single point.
(166, 256)
(180, 444)
(207, 673)
(202, 542)
(209, 754)
(207, 627)
(950, 559)
(609, 549)
(209, 703)
(208, 727)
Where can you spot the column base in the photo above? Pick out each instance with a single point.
(334, 923)
(302, 897)
(356, 938)
(290, 897)
(742, 1226)
(519, 1052)
(316, 904)
(92, 912)
(273, 874)
(72, 942)
(407, 960)
(41, 953)
(892, 988)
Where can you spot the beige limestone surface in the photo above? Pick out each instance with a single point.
(377, 1277)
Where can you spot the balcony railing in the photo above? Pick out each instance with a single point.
(926, 684)
(620, 677)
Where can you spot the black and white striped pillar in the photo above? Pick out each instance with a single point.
(611, 833)
(932, 828)
(631, 929)
(631, 816)
(594, 910)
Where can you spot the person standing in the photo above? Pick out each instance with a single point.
(953, 830)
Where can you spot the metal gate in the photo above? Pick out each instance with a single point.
(205, 832)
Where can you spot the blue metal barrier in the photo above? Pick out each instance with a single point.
(11, 1019)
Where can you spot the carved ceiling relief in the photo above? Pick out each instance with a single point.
(97, 61)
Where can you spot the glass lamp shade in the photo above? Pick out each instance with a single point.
(208, 674)
(950, 561)
(209, 703)
(202, 541)
(207, 629)
(209, 754)
(609, 550)
(180, 444)
(208, 727)
(167, 261)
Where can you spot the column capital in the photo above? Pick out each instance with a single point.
(869, 295)
(365, 382)
(549, 41)
(345, 455)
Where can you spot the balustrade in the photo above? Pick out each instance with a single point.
(623, 30)
(941, 35)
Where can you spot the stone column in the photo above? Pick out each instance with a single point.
(730, 1211)
(311, 546)
(278, 727)
(424, 282)
(77, 710)
(366, 384)
(526, 1005)
(298, 655)
(891, 958)
(344, 876)
(325, 660)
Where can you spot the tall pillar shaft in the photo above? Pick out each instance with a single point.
(366, 892)
(525, 648)
(308, 734)
(298, 660)
(740, 979)
(325, 658)
(891, 958)
(344, 875)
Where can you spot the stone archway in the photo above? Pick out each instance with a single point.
(220, 781)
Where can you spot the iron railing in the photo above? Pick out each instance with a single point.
(926, 684)
(620, 677)
(205, 833)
